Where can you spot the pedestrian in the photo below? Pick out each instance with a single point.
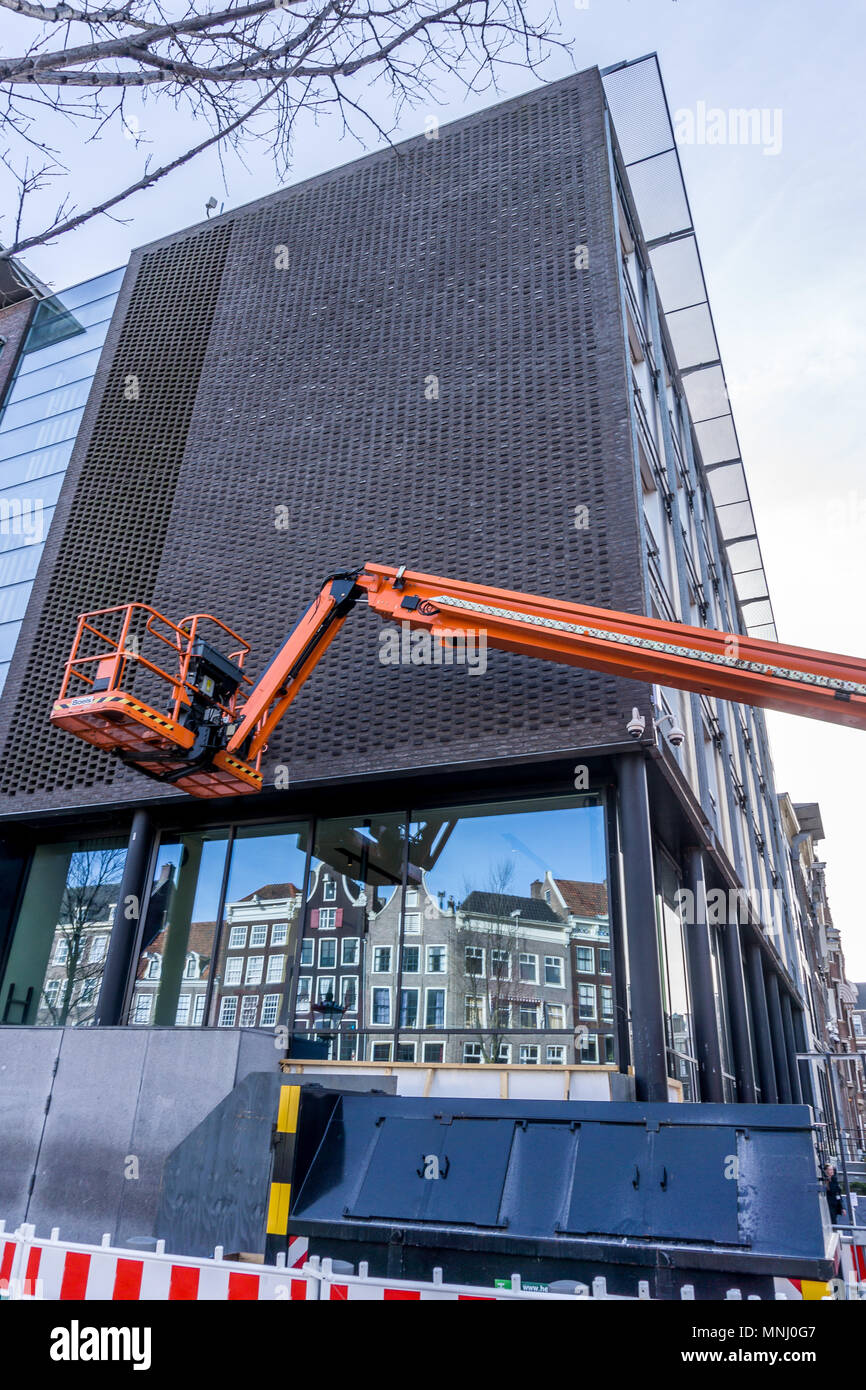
(834, 1193)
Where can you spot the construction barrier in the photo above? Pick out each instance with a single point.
(55, 1270)
(59, 1270)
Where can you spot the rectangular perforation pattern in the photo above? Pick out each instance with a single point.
(451, 257)
(123, 485)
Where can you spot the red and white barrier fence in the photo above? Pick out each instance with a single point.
(52, 1269)
(55, 1270)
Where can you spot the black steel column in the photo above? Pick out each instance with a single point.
(761, 1021)
(133, 886)
(738, 1015)
(791, 1048)
(777, 1032)
(647, 1019)
(707, 1044)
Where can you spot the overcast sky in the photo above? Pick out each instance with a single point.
(781, 240)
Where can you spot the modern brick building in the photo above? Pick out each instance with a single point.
(487, 355)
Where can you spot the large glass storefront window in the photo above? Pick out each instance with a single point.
(176, 955)
(259, 935)
(682, 1063)
(348, 972)
(506, 950)
(55, 967)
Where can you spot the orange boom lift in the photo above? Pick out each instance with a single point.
(187, 713)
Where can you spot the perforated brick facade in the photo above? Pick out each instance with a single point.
(307, 387)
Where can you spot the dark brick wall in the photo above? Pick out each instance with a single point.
(304, 387)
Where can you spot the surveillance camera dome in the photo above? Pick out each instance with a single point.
(676, 736)
(636, 724)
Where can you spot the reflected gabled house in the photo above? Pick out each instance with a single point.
(259, 934)
(584, 906)
(191, 972)
(478, 978)
(329, 968)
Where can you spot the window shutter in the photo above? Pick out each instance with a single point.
(314, 919)
(338, 920)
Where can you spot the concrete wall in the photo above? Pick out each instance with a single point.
(88, 1116)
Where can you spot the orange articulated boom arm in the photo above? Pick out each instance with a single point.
(794, 680)
(211, 740)
(731, 667)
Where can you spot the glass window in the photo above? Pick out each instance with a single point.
(308, 948)
(409, 1008)
(500, 964)
(609, 1050)
(237, 938)
(472, 1052)
(265, 884)
(228, 1011)
(555, 1054)
(473, 960)
(249, 1010)
(381, 1052)
(604, 960)
(406, 1052)
(435, 1011)
(279, 933)
(325, 987)
(436, 960)
(411, 897)
(675, 991)
(586, 1001)
(555, 1015)
(182, 1017)
(141, 1009)
(589, 1048)
(327, 953)
(302, 1005)
(606, 1002)
(411, 960)
(413, 923)
(234, 970)
(62, 934)
(528, 968)
(381, 1005)
(433, 1052)
(349, 993)
(179, 927)
(528, 1054)
(275, 969)
(528, 1016)
(270, 1009)
(354, 895)
(585, 960)
(349, 948)
(553, 970)
(473, 1016)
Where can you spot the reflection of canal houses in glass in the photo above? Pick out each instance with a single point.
(495, 963)
(585, 909)
(257, 938)
(76, 959)
(331, 953)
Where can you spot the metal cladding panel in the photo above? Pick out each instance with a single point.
(611, 1173)
(404, 361)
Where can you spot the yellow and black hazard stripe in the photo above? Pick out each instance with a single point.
(280, 1196)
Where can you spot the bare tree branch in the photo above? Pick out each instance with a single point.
(224, 65)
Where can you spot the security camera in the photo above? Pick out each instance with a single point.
(636, 724)
(676, 736)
